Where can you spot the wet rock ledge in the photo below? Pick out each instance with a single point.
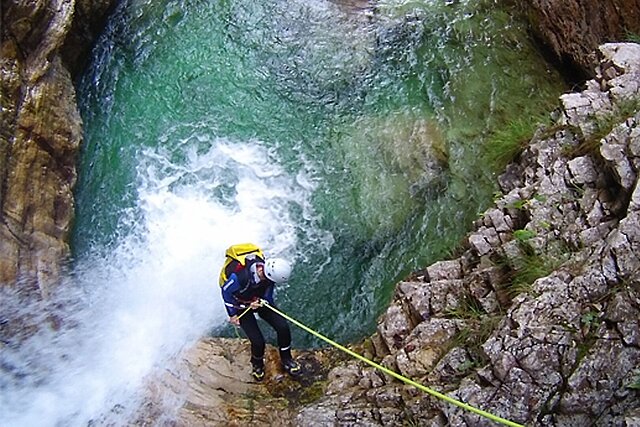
(537, 321)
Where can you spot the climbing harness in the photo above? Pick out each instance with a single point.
(392, 373)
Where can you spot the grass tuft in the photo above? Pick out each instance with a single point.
(632, 37)
(469, 308)
(507, 143)
(524, 270)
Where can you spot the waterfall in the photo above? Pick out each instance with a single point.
(126, 313)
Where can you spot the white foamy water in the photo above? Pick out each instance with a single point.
(125, 311)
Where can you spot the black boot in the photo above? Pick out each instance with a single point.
(291, 367)
(257, 371)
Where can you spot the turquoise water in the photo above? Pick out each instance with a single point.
(355, 133)
(347, 139)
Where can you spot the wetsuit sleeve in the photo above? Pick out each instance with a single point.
(268, 294)
(230, 287)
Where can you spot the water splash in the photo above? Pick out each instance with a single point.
(122, 315)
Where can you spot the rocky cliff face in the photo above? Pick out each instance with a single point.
(573, 29)
(41, 134)
(562, 350)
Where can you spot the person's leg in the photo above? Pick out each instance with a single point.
(281, 327)
(249, 325)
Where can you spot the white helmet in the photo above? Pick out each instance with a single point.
(277, 270)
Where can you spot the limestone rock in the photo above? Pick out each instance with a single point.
(582, 170)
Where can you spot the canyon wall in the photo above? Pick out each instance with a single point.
(41, 134)
(572, 30)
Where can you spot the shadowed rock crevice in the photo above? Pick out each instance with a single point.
(571, 30)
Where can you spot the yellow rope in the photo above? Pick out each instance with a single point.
(244, 312)
(395, 375)
(235, 327)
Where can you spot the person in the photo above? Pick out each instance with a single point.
(247, 282)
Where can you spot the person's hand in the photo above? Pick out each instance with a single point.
(256, 304)
(234, 320)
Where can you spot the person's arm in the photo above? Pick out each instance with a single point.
(269, 293)
(230, 287)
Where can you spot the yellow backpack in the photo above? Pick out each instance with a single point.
(239, 254)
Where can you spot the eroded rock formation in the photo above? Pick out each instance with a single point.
(41, 134)
(573, 29)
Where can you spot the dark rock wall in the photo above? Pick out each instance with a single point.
(573, 29)
(41, 132)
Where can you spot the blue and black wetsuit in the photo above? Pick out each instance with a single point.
(244, 286)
